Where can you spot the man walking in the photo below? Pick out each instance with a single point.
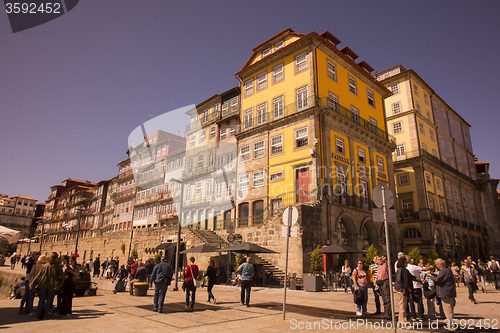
(445, 288)
(495, 271)
(97, 267)
(247, 271)
(162, 277)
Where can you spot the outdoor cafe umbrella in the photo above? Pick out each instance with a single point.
(10, 235)
(337, 249)
(247, 248)
(205, 248)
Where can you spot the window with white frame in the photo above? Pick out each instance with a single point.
(333, 101)
(331, 70)
(424, 146)
(199, 165)
(248, 119)
(431, 134)
(431, 202)
(213, 131)
(397, 127)
(218, 190)
(300, 62)
(404, 179)
(234, 104)
(353, 84)
(435, 153)
(262, 81)
(244, 181)
(341, 181)
(198, 188)
(418, 106)
(192, 141)
(380, 164)
(258, 149)
(230, 160)
(187, 196)
(277, 145)
(248, 86)
(262, 113)
(355, 114)
(205, 115)
(400, 150)
(421, 127)
(215, 109)
(258, 179)
(278, 111)
(279, 45)
(339, 146)
(220, 162)
(301, 137)
(202, 137)
(371, 97)
(266, 52)
(394, 88)
(429, 117)
(438, 184)
(225, 108)
(278, 73)
(211, 155)
(426, 99)
(223, 133)
(361, 156)
(232, 131)
(276, 175)
(302, 97)
(190, 165)
(245, 153)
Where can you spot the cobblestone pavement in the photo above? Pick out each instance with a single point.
(314, 312)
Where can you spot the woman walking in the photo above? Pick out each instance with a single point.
(48, 281)
(482, 270)
(190, 274)
(469, 273)
(211, 275)
(71, 271)
(360, 279)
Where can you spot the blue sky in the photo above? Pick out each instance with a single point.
(73, 89)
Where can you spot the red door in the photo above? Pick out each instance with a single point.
(303, 185)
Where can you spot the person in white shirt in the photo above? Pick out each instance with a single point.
(417, 293)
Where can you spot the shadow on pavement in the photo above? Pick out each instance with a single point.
(179, 307)
(9, 316)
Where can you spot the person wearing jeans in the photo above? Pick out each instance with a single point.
(445, 288)
(247, 270)
(360, 280)
(48, 281)
(384, 287)
(190, 274)
(161, 276)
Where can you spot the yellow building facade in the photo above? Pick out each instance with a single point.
(438, 202)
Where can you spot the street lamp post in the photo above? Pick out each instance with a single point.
(179, 217)
(80, 210)
(41, 237)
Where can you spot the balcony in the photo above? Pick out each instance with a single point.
(125, 174)
(169, 214)
(123, 194)
(408, 216)
(229, 112)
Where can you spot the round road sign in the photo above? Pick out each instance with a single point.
(377, 196)
(230, 238)
(295, 215)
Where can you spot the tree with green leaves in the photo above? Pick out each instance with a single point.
(240, 258)
(432, 256)
(134, 253)
(415, 255)
(369, 255)
(123, 248)
(157, 258)
(316, 261)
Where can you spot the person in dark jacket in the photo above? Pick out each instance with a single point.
(404, 287)
(445, 287)
(469, 276)
(149, 267)
(211, 274)
(162, 277)
(120, 275)
(97, 267)
(140, 276)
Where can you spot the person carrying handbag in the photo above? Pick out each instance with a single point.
(469, 273)
(191, 276)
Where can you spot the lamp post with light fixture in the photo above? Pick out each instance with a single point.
(179, 217)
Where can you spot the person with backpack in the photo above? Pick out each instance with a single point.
(162, 277)
(494, 268)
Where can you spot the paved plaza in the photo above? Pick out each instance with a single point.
(314, 312)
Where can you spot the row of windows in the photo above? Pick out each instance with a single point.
(211, 160)
(340, 149)
(225, 132)
(301, 139)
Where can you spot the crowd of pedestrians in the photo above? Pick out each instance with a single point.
(433, 284)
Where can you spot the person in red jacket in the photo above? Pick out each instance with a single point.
(190, 274)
